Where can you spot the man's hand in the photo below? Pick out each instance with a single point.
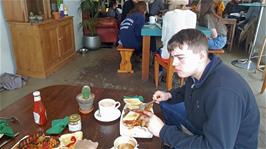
(159, 96)
(214, 33)
(154, 123)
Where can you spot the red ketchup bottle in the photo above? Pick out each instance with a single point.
(39, 111)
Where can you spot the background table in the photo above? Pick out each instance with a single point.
(153, 30)
(247, 63)
(60, 102)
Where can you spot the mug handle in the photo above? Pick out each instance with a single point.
(117, 104)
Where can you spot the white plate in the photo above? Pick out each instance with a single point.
(1, 135)
(135, 132)
(116, 115)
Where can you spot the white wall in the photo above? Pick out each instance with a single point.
(7, 63)
(7, 60)
(73, 6)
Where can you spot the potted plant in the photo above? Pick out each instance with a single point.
(85, 100)
(90, 12)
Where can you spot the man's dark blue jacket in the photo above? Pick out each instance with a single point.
(221, 106)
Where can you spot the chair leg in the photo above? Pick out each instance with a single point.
(169, 78)
(264, 82)
(156, 72)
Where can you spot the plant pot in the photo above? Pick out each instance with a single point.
(92, 42)
(56, 15)
(85, 105)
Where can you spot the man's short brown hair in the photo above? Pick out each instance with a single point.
(194, 39)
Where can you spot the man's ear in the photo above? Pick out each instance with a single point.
(203, 55)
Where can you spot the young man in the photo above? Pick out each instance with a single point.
(216, 104)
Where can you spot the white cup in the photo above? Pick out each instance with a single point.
(152, 19)
(107, 107)
(123, 141)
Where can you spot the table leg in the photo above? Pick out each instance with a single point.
(145, 57)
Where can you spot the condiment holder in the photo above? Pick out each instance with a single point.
(85, 100)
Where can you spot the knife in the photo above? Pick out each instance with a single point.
(5, 142)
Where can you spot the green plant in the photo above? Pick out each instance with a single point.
(86, 92)
(90, 12)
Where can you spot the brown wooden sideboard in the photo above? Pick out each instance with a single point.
(41, 48)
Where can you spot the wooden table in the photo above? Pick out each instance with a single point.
(153, 30)
(60, 101)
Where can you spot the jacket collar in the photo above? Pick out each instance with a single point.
(210, 68)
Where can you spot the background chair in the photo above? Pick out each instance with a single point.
(107, 29)
(216, 51)
(264, 81)
(167, 64)
(231, 25)
(259, 67)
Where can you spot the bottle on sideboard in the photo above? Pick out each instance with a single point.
(39, 111)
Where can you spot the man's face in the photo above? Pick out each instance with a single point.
(186, 63)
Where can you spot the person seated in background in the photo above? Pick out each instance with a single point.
(210, 19)
(155, 6)
(113, 10)
(215, 108)
(130, 28)
(128, 5)
(177, 18)
(248, 24)
(219, 8)
(233, 7)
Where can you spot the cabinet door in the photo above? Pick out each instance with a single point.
(49, 34)
(15, 10)
(18, 10)
(66, 38)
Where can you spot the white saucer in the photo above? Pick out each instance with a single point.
(151, 23)
(116, 115)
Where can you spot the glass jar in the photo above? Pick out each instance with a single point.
(74, 123)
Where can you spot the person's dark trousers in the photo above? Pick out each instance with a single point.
(153, 44)
(175, 114)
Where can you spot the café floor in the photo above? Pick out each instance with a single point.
(99, 68)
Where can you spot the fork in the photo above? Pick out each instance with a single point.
(144, 105)
(5, 142)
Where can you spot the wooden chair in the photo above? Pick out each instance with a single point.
(259, 66)
(216, 51)
(231, 26)
(264, 81)
(167, 64)
(125, 64)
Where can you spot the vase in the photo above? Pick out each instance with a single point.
(91, 42)
(56, 15)
(85, 105)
